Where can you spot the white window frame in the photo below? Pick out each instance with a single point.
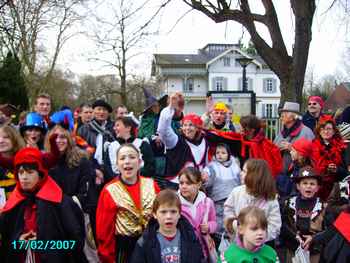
(219, 84)
(227, 62)
(269, 85)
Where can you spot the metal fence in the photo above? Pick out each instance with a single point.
(272, 127)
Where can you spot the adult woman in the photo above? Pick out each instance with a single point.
(190, 148)
(33, 130)
(257, 145)
(38, 210)
(73, 171)
(125, 131)
(328, 155)
(10, 143)
(124, 208)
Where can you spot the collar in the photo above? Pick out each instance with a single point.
(199, 198)
(49, 191)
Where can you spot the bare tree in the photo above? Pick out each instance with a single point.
(289, 68)
(27, 25)
(123, 37)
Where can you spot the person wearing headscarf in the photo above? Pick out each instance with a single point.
(314, 111)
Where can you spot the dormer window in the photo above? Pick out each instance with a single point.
(227, 62)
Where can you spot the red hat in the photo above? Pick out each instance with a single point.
(317, 99)
(30, 155)
(327, 119)
(194, 118)
(303, 147)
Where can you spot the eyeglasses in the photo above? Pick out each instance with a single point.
(326, 129)
(312, 103)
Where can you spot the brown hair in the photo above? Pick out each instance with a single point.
(254, 215)
(323, 124)
(128, 122)
(166, 197)
(192, 174)
(16, 139)
(42, 95)
(259, 181)
(73, 153)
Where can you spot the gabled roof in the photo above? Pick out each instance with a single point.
(180, 59)
(230, 50)
(339, 98)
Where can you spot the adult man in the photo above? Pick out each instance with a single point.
(314, 111)
(292, 130)
(100, 124)
(120, 111)
(216, 116)
(42, 105)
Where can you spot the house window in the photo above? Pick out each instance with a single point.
(270, 85)
(219, 84)
(188, 87)
(227, 62)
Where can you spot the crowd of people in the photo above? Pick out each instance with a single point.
(97, 184)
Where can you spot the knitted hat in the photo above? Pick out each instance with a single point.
(317, 99)
(102, 103)
(303, 147)
(194, 118)
(30, 155)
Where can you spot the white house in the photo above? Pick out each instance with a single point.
(215, 68)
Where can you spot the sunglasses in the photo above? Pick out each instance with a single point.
(312, 103)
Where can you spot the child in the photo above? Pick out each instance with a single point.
(38, 210)
(124, 208)
(169, 237)
(301, 153)
(222, 176)
(249, 245)
(303, 215)
(258, 190)
(196, 207)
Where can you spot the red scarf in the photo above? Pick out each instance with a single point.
(323, 155)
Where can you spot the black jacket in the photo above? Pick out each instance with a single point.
(147, 249)
(89, 132)
(63, 221)
(74, 181)
(310, 121)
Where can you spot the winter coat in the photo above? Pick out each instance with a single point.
(262, 148)
(147, 249)
(239, 199)
(195, 213)
(310, 121)
(55, 221)
(89, 132)
(298, 131)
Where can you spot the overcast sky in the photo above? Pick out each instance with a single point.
(195, 30)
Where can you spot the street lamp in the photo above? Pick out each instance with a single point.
(244, 62)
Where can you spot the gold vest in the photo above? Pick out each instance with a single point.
(130, 220)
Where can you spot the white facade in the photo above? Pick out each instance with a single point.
(222, 72)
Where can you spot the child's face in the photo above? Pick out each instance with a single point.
(221, 154)
(128, 162)
(5, 142)
(252, 234)
(308, 187)
(28, 178)
(187, 189)
(167, 216)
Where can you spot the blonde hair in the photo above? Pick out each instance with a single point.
(73, 153)
(252, 214)
(16, 139)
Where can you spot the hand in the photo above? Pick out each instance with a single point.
(205, 176)
(209, 104)
(300, 240)
(284, 145)
(307, 242)
(177, 102)
(228, 224)
(204, 228)
(31, 235)
(99, 177)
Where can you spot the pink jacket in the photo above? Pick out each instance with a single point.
(195, 213)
